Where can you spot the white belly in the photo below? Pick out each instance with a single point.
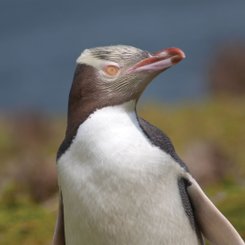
(118, 188)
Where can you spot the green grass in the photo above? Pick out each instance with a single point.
(26, 224)
(230, 200)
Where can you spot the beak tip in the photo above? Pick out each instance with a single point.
(182, 54)
(176, 53)
(177, 58)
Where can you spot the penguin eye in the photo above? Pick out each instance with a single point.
(111, 70)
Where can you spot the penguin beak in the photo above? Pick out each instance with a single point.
(159, 61)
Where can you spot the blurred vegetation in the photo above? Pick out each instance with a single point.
(28, 144)
(220, 121)
(226, 73)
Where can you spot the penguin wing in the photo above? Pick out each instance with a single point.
(214, 226)
(59, 233)
(160, 139)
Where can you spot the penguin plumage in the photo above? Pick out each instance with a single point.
(121, 181)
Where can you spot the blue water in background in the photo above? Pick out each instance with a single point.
(40, 41)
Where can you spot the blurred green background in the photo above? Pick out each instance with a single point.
(200, 103)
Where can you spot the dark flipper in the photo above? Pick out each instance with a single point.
(188, 207)
(59, 234)
(158, 138)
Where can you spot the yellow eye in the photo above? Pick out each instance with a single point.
(111, 70)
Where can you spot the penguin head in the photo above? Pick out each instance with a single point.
(113, 75)
(116, 74)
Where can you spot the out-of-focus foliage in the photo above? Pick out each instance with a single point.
(28, 144)
(227, 73)
(26, 223)
(220, 121)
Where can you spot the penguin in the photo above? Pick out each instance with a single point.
(121, 181)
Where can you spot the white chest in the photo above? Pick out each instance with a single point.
(118, 188)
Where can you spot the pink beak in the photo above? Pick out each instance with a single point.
(159, 61)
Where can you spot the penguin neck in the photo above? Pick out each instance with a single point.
(77, 116)
(86, 97)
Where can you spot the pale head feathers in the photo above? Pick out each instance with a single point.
(110, 53)
(120, 55)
